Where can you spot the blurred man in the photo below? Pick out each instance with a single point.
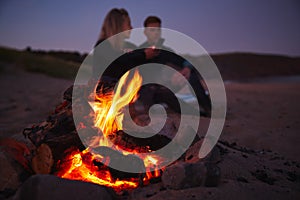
(166, 56)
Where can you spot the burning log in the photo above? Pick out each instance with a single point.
(128, 142)
(60, 143)
(128, 162)
(91, 166)
(54, 136)
(51, 149)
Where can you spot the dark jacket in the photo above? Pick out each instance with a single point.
(114, 63)
(166, 55)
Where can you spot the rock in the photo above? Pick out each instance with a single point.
(184, 175)
(9, 173)
(14, 167)
(48, 187)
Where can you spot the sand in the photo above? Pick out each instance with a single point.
(262, 115)
(27, 98)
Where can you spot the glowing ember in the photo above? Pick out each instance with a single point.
(80, 166)
(108, 116)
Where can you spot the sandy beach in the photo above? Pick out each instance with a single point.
(262, 115)
(27, 98)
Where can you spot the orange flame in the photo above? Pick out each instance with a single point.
(108, 118)
(107, 109)
(81, 167)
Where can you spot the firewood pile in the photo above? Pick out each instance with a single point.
(57, 134)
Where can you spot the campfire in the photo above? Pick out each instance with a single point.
(92, 164)
(93, 148)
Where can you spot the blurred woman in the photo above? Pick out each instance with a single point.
(112, 49)
(116, 21)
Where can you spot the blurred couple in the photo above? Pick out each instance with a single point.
(117, 23)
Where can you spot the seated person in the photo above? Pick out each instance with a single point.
(167, 56)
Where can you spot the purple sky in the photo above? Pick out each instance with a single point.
(262, 26)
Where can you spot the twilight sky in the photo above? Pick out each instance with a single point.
(261, 26)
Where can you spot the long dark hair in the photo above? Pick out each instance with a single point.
(112, 25)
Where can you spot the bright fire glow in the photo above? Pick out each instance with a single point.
(108, 117)
(108, 107)
(79, 166)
